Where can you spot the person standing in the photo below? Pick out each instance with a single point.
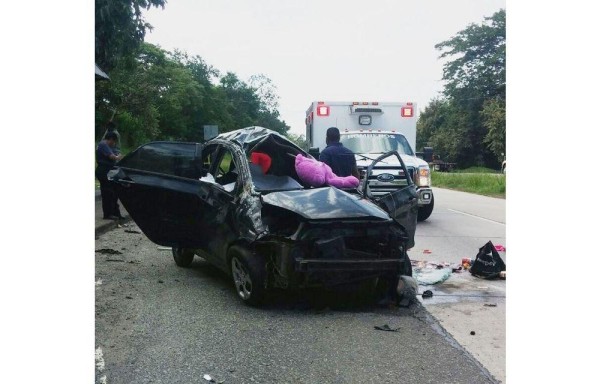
(106, 157)
(339, 158)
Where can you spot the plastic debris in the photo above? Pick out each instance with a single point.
(208, 378)
(431, 274)
(427, 294)
(490, 305)
(472, 333)
(500, 248)
(386, 327)
(132, 231)
(163, 248)
(426, 251)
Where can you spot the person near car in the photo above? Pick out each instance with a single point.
(339, 158)
(106, 157)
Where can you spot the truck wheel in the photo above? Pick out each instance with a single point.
(425, 211)
(183, 257)
(248, 275)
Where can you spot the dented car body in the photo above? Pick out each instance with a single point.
(264, 226)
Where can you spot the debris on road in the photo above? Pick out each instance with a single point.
(118, 260)
(108, 251)
(490, 305)
(488, 264)
(500, 248)
(472, 333)
(128, 297)
(503, 275)
(427, 273)
(426, 251)
(407, 290)
(164, 248)
(386, 327)
(427, 294)
(208, 378)
(132, 231)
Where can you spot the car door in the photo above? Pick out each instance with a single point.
(401, 204)
(159, 186)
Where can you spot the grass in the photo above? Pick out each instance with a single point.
(482, 183)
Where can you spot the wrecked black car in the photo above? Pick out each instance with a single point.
(260, 223)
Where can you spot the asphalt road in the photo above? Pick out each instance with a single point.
(460, 224)
(157, 323)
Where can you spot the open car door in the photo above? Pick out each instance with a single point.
(159, 186)
(402, 204)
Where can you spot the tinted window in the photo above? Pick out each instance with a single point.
(177, 159)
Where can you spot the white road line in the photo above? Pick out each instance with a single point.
(100, 365)
(477, 217)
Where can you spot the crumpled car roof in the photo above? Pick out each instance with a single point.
(251, 136)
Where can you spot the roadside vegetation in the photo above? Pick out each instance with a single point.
(473, 180)
(465, 125)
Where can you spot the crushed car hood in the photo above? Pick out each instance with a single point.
(327, 203)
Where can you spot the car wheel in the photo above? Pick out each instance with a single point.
(248, 275)
(183, 257)
(425, 211)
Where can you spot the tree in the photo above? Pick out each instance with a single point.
(494, 119)
(458, 124)
(478, 65)
(120, 29)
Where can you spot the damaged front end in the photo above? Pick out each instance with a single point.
(352, 242)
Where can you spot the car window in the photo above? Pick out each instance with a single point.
(226, 171)
(170, 158)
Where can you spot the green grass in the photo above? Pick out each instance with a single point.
(487, 184)
(476, 170)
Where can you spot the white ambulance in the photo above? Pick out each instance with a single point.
(370, 129)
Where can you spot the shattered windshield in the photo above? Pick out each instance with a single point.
(376, 143)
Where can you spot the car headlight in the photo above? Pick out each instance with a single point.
(423, 177)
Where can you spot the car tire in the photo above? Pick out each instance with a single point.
(425, 211)
(248, 275)
(183, 257)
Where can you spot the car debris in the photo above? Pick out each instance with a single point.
(427, 294)
(258, 221)
(490, 305)
(108, 251)
(386, 327)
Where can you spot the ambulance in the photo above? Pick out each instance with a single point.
(371, 129)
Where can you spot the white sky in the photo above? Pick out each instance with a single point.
(322, 50)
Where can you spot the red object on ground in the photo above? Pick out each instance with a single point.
(426, 251)
(261, 159)
(500, 248)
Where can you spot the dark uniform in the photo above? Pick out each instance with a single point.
(339, 158)
(110, 206)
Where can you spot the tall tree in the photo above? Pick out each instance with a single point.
(475, 74)
(120, 29)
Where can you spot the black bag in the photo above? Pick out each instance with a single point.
(488, 263)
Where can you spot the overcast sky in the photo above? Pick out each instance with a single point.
(313, 50)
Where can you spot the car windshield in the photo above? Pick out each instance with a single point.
(376, 143)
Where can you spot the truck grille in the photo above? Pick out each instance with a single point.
(380, 187)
